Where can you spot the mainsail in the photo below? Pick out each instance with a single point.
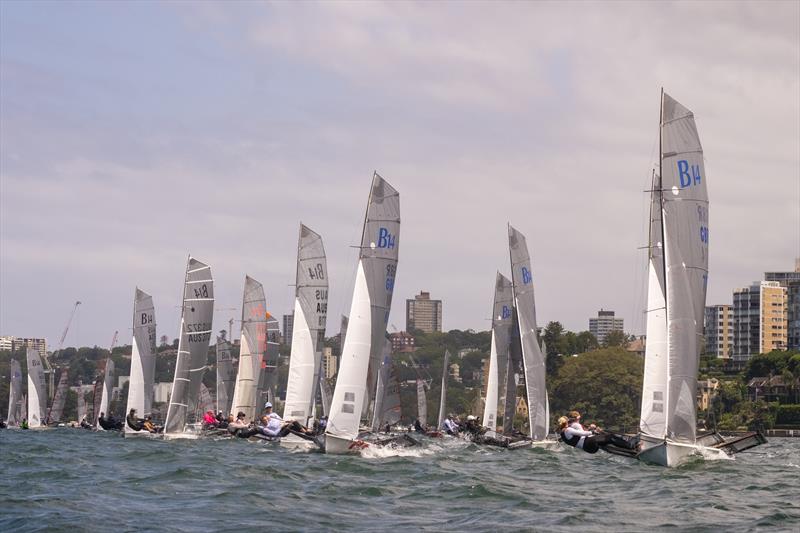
(681, 212)
(501, 326)
(226, 378)
(195, 332)
(14, 393)
(369, 312)
(308, 332)
(143, 356)
(532, 356)
(251, 350)
(97, 397)
(422, 403)
(108, 387)
(81, 407)
(37, 392)
(60, 397)
(387, 396)
(443, 397)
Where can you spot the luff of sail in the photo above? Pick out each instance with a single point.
(60, 397)
(143, 356)
(532, 356)
(369, 312)
(308, 332)
(252, 347)
(226, 378)
(197, 314)
(443, 395)
(685, 221)
(501, 324)
(14, 393)
(37, 392)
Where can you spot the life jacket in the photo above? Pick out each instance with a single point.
(571, 441)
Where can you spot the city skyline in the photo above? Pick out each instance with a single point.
(120, 155)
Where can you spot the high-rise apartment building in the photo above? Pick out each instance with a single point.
(329, 363)
(288, 326)
(18, 343)
(6, 343)
(719, 330)
(759, 319)
(423, 313)
(604, 324)
(790, 280)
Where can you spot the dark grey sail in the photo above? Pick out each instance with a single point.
(14, 393)
(387, 396)
(226, 378)
(195, 333)
(685, 220)
(57, 408)
(443, 396)
(532, 356)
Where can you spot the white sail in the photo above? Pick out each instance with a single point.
(197, 314)
(81, 406)
(251, 350)
(14, 393)
(443, 395)
(369, 312)
(143, 357)
(108, 387)
(532, 356)
(37, 392)
(308, 333)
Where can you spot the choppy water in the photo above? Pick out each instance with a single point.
(69, 479)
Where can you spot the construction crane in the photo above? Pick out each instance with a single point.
(230, 322)
(48, 366)
(113, 341)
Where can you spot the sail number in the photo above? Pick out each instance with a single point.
(146, 319)
(201, 292)
(683, 174)
(391, 269)
(526, 276)
(198, 332)
(316, 272)
(702, 215)
(386, 239)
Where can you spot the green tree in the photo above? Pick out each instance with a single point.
(615, 338)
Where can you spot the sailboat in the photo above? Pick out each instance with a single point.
(105, 394)
(226, 378)
(443, 395)
(308, 332)
(369, 314)
(498, 355)
(676, 296)
(14, 393)
(387, 410)
(59, 399)
(143, 360)
(37, 392)
(251, 351)
(532, 357)
(195, 332)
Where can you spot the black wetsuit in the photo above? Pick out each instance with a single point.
(136, 424)
(593, 443)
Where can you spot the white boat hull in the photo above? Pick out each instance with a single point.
(547, 443)
(671, 454)
(343, 445)
(295, 443)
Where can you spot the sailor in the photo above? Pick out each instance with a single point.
(149, 426)
(209, 420)
(85, 423)
(449, 426)
(24, 424)
(418, 426)
(272, 425)
(133, 422)
(589, 440)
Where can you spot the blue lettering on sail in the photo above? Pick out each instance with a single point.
(704, 235)
(683, 174)
(506, 312)
(385, 239)
(526, 276)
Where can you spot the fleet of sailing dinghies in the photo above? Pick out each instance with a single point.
(143, 359)
(195, 331)
(499, 363)
(369, 314)
(37, 390)
(308, 331)
(532, 356)
(252, 349)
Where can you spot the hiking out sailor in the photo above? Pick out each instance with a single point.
(133, 421)
(148, 425)
(209, 420)
(589, 440)
(85, 423)
(449, 426)
(418, 426)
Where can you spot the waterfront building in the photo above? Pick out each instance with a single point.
(759, 319)
(604, 324)
(790, 280)
(329, 363)
(706, 390)
(423, 313)
(288, 326)
(18, 343)
(402, 341)
(718, 329)
(6, 343)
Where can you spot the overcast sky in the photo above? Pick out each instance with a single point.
(134, 134)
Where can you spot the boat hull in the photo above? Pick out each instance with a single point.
(546, 443)
(343, 445)
(671, 454)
